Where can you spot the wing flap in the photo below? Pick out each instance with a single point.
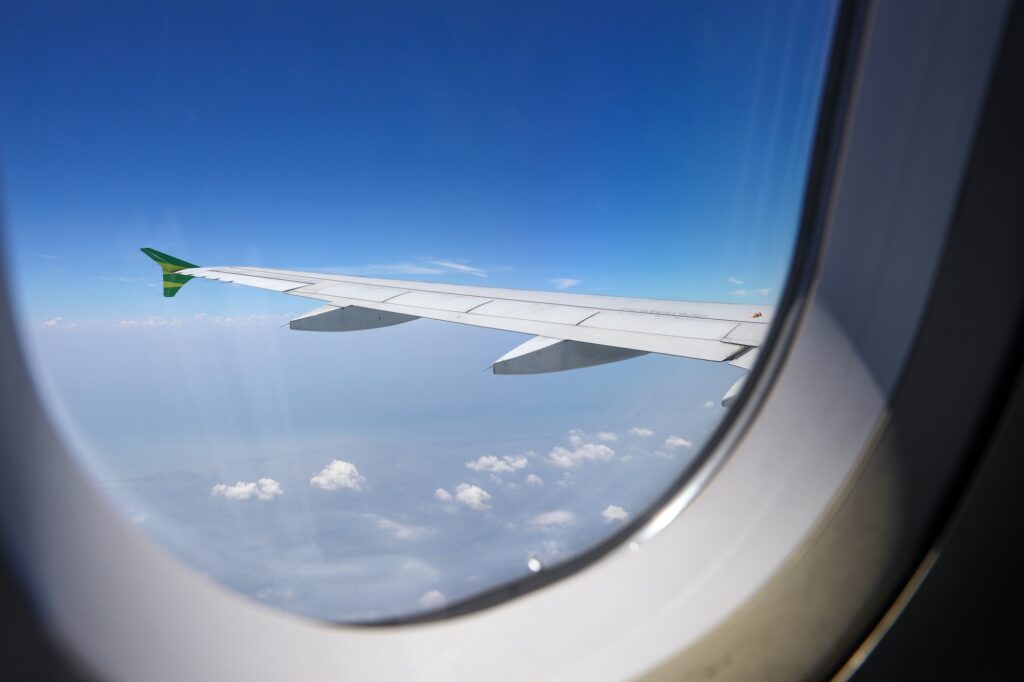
(542, 312)
(456, 303)
(747, 334)
(363, 292)
(653, 323)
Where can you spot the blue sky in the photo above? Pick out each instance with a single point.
(588, 146)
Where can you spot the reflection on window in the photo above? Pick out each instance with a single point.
(656, 154)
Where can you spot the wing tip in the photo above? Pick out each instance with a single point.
(170, 266)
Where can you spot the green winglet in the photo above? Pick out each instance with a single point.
(170, 265)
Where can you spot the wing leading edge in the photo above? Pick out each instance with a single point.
(569, 330)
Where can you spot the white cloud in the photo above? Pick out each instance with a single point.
(750, 292)
(401, 531)
(576, 437)
(152, 322)
(565, 282)
(459, 267)
(432, 600)
(265, 489)
(710, 403)
(252, 320)
(140, 518)
(472, 496)
(613, 513)
(406, 269)
(443, 495)
(203, 320)
(641, 431)
(534, 479)
(498, 465)
(61, 323)
(553, 519)
(734, 280)
(677, 442)
(607, 436)
(566, 458)
(338, 474)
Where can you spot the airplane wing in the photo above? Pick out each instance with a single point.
(569, 330)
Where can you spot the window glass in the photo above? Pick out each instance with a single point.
(656, 151)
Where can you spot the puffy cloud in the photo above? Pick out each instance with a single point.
(734, 280)
(472, 496)
(607, 436)
(498, 465)
(554, 519)
(443, 495)
(641, 431)
(613, 513)
(566, 458)
(338, 474)
(534, 479)
(264, 489)
(580, 451)
(432, 600)
(53, 322)
(565, 282)
(677, 442)
(709, 403)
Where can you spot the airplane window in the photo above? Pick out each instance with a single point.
(549, 241)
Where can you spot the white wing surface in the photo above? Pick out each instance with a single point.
(570, 330)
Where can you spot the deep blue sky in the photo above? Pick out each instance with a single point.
(655, 152)
(647, 150)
